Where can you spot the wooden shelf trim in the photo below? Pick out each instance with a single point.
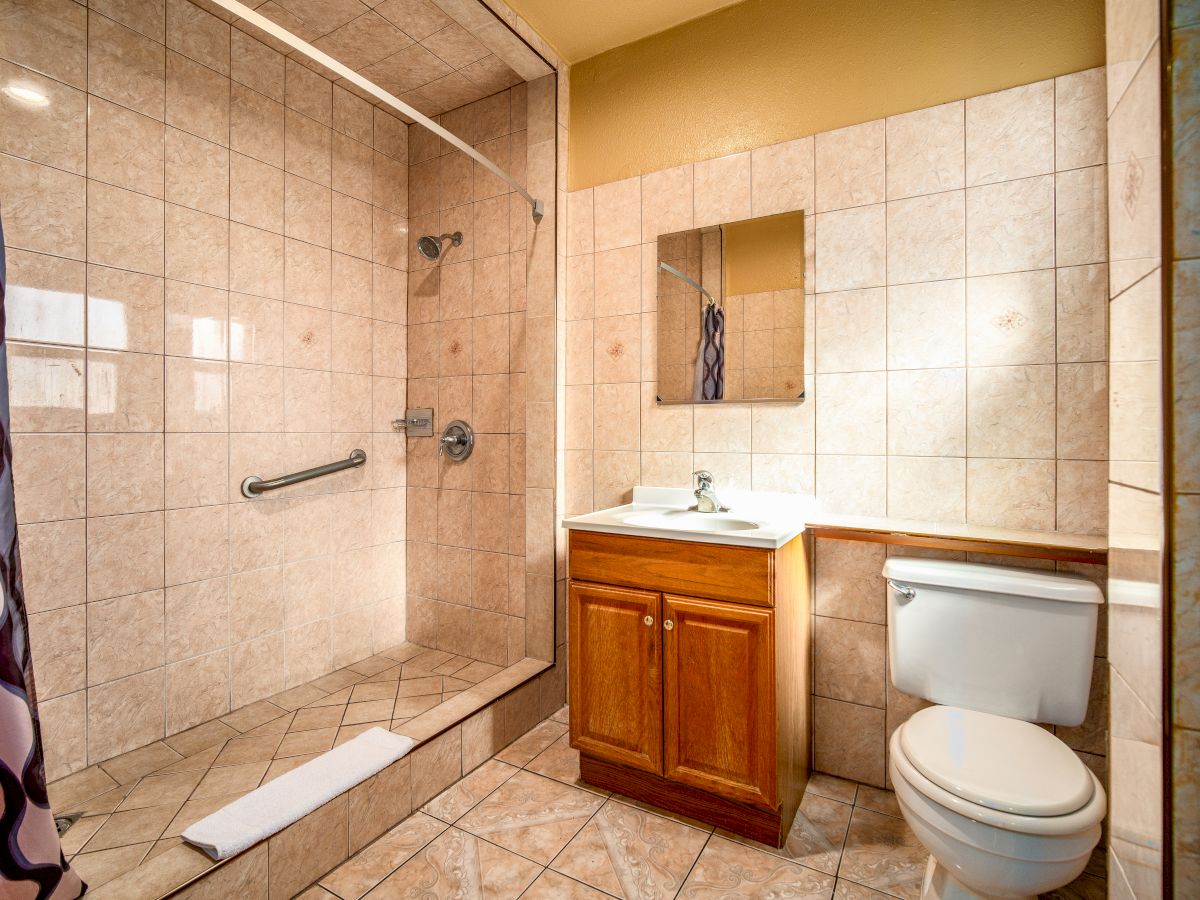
(1032, 549)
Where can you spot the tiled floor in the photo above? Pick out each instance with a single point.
(523, 825)
(136, 805)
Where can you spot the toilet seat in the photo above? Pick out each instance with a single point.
(1077, 821)
(1004, 764)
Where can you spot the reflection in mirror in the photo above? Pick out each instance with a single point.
(731, 312)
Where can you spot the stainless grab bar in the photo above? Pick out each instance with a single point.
(253, 486)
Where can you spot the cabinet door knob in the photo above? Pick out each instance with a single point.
(668, 624)
(649, 620)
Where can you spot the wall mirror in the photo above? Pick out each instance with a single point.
(731, 312)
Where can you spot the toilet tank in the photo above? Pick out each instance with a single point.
(1014, 642)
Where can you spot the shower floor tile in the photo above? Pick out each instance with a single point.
(136, 805)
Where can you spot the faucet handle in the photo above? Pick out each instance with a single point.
(704, 479)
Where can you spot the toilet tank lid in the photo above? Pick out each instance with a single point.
(993, 579)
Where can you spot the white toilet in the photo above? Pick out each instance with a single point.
(1004, 807)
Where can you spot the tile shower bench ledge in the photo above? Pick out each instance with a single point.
(184, 870)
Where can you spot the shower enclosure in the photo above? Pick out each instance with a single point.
(215, 274)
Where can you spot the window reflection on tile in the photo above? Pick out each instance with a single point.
(44, 300)
(45, 388)
(196, 395)
(196, 319)
(124, 310)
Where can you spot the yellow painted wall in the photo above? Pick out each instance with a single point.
(766, 71)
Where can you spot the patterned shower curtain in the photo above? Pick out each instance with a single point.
(32, 864)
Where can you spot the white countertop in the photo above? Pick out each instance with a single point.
(777, 518)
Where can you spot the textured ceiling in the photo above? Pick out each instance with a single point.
(408, 47)
(579, 29)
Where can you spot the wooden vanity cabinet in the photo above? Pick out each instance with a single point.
(689, 676)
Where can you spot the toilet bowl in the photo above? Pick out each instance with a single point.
(1004, 807)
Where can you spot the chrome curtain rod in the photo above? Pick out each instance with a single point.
(667, 267)
(257, 19)
(252, 486)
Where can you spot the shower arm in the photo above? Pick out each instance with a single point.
(670, 269)
(282, 34)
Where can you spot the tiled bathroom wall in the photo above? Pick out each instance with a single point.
(480, 554)
(955, 318)
(956, 356)
(467, 312)
(1136, 508)
(207, 262)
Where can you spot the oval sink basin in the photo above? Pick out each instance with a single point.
(686, 520)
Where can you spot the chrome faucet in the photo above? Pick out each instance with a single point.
(706, 498)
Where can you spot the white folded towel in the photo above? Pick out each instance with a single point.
(294, 794)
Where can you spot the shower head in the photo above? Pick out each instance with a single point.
(431, 247)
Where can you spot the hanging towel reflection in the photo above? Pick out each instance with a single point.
(710, 358)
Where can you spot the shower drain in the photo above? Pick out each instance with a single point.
(62, 823)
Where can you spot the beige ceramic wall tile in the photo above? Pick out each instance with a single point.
(927, 488)
(851, 248)
(854, 484)
(52, 133)
(124, 714)
(1080, 227)
(59, 638)
(850, 741)
(50, 38)
(1011, 493)
(1081, 330)
(722, 190)
(198, 35)
(46, 388)
(45, 300)
(44, 209)
(197, 690)
(125, 67)
(850, 166)
(851, 331)
(852, 414)
(849, 661)
(124, 310)
(1010, 412)
(49, 473)
(125, 148)
(926, 414)
(849, 581)
(1010, 226)
(1079, 111)
(615, 213)
(1011, 319)
(1010, 134)
(1081, 508)
(925, 151)
(666, 202)
(54, 563)
(926, 238)
(125, 229)
(1082, 414)
(783, 177)
(197, 99)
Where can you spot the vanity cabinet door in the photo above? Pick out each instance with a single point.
(719, 700)
(616, 674)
